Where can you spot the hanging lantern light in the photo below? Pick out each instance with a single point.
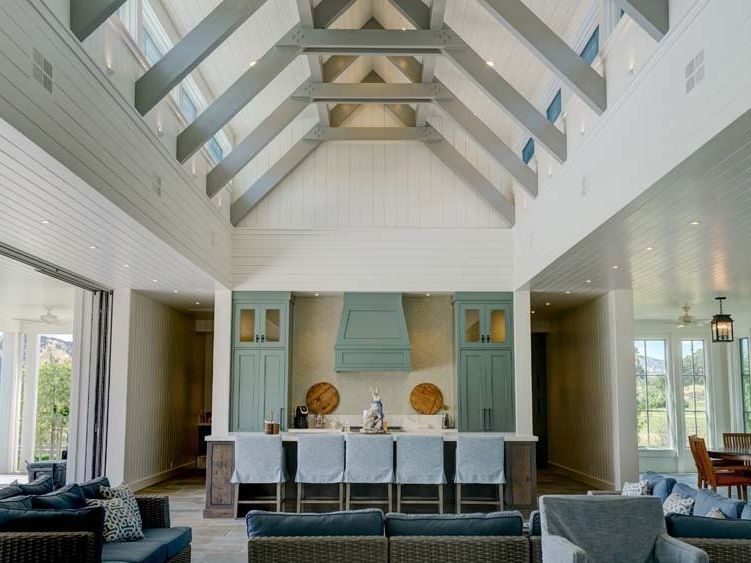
(722, 325)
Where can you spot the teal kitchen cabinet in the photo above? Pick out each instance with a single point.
(260, 359)
(486, 391)
(484, 351)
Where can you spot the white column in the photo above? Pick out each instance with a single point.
(623, 387)
(78, 428)
(220, 390)
(118, 399)
(30, 388)
(523, 361)
(9, 402)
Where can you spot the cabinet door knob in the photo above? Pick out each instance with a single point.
(256, 338)
(263, 338)
(482, 338)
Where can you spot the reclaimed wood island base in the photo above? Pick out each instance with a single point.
(520, 491)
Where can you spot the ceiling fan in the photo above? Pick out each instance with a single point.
(47, 318)
(688, 320)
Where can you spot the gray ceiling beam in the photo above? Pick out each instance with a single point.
(369, 41)
(191, 50)
(281, 168)
(652, 15)
(368, 93)
(233, 100)
(341, 112)
(437, 12)
(87, 15)
(327, 12)
(464, 169)
(244, 152)
(376, 134)
(510, 100)
(553, 51)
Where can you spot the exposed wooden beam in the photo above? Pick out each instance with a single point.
(494, 85)
(553, 51)
(87, 15)
(652, 15)
(191, 50)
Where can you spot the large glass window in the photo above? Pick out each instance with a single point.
(652, 393)
(53, 395)
(693, 367)
(528, 151)
(554, 109)
(590, 50)
(745, 383)
(215, 150)
(150, 49)
(187, 106)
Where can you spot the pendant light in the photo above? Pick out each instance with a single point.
(722, 325)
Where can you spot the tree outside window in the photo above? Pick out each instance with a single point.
(693, 367)
(53, 396)
(745, 382)
(653, 422)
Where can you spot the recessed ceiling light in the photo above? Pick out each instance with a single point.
(568, 293)
(427, 295)
(126, 265)
(532, 311)
(45, 222)
(92, 247)
(155, 281)
(650, 248)
(615, 267)
(317, 294)
(490, 63)
(174, 291)
(588, 281)
(694, 223)
(252, 64)
(198, 302)
(404, 29)
(547, 304)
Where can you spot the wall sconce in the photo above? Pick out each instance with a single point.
(110, 70)
(160, 130)
(631, 67)
(193, 168)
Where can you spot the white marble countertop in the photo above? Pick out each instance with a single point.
(449, 435)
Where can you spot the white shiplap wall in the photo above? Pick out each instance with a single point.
(165, 392)
(580, 426)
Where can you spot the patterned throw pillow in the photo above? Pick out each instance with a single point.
(676, 504)
(119, 525)
(716, 513)
(639, 489)
(124, 493)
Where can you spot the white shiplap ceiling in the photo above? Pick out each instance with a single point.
(571, 19)
(685, 240)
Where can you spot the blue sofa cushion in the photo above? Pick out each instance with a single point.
(535, 527)
(90, 489)
(660, 485)
(706, 500)
(746, 513)
(175, 539)
(141, 551)
(491, 524)
(45, 484)
(685, 491)
(368, 522)
(68, 497)
(680, 526)
(16, 503)
(10, 491)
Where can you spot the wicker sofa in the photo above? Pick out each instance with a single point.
(161, 544)
(342, 537)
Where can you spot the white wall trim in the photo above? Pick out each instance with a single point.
(598, 484)
(161, 476)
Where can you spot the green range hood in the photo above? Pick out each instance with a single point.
(372, 334)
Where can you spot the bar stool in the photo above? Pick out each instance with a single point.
(479, 461)
(369, 460)
(419, 461)
(320, 461)
(259, 459)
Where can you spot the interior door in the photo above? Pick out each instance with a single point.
(247, 392)
(274, 385)
(501, 391)
(473, 416)
(272, 329)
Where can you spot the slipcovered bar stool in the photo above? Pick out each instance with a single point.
(369, 460)
(479, 461)
(320, 461)
(419, 461)
(259, 459)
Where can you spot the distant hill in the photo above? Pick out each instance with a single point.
(55, 347)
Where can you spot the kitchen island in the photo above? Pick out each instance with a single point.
(520, 492)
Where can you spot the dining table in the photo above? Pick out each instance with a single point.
(730, 454)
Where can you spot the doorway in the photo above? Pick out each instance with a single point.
(540, 396)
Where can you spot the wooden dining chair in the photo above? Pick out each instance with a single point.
(739, 440)
(711, 476)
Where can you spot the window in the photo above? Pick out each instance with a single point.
(745, 383)
(652, 394)
(187, 106)
(528, 151)
(554, 109)
(592, 47)
(215, 150)
(693, 368)
(150, 49)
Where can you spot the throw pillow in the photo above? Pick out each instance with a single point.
(118, 523)
(124, 493)
(90, 489)
(40, 486)
(639, 489)
(69, 497)
(716, 513)
(676, 504)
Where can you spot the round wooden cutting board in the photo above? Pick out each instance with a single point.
(426, 398)
(322, 398)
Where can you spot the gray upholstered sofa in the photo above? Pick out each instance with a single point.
(62, 532)
(366, 536)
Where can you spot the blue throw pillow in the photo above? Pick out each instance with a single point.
(90, 489)
(367, 522)
(491, 524)
(684, 491)
(535, 527)
(660, 485)
(680, 526)
(10, 491)
(40, 486)
(69, 497)
(706, 500)
(16, 503)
